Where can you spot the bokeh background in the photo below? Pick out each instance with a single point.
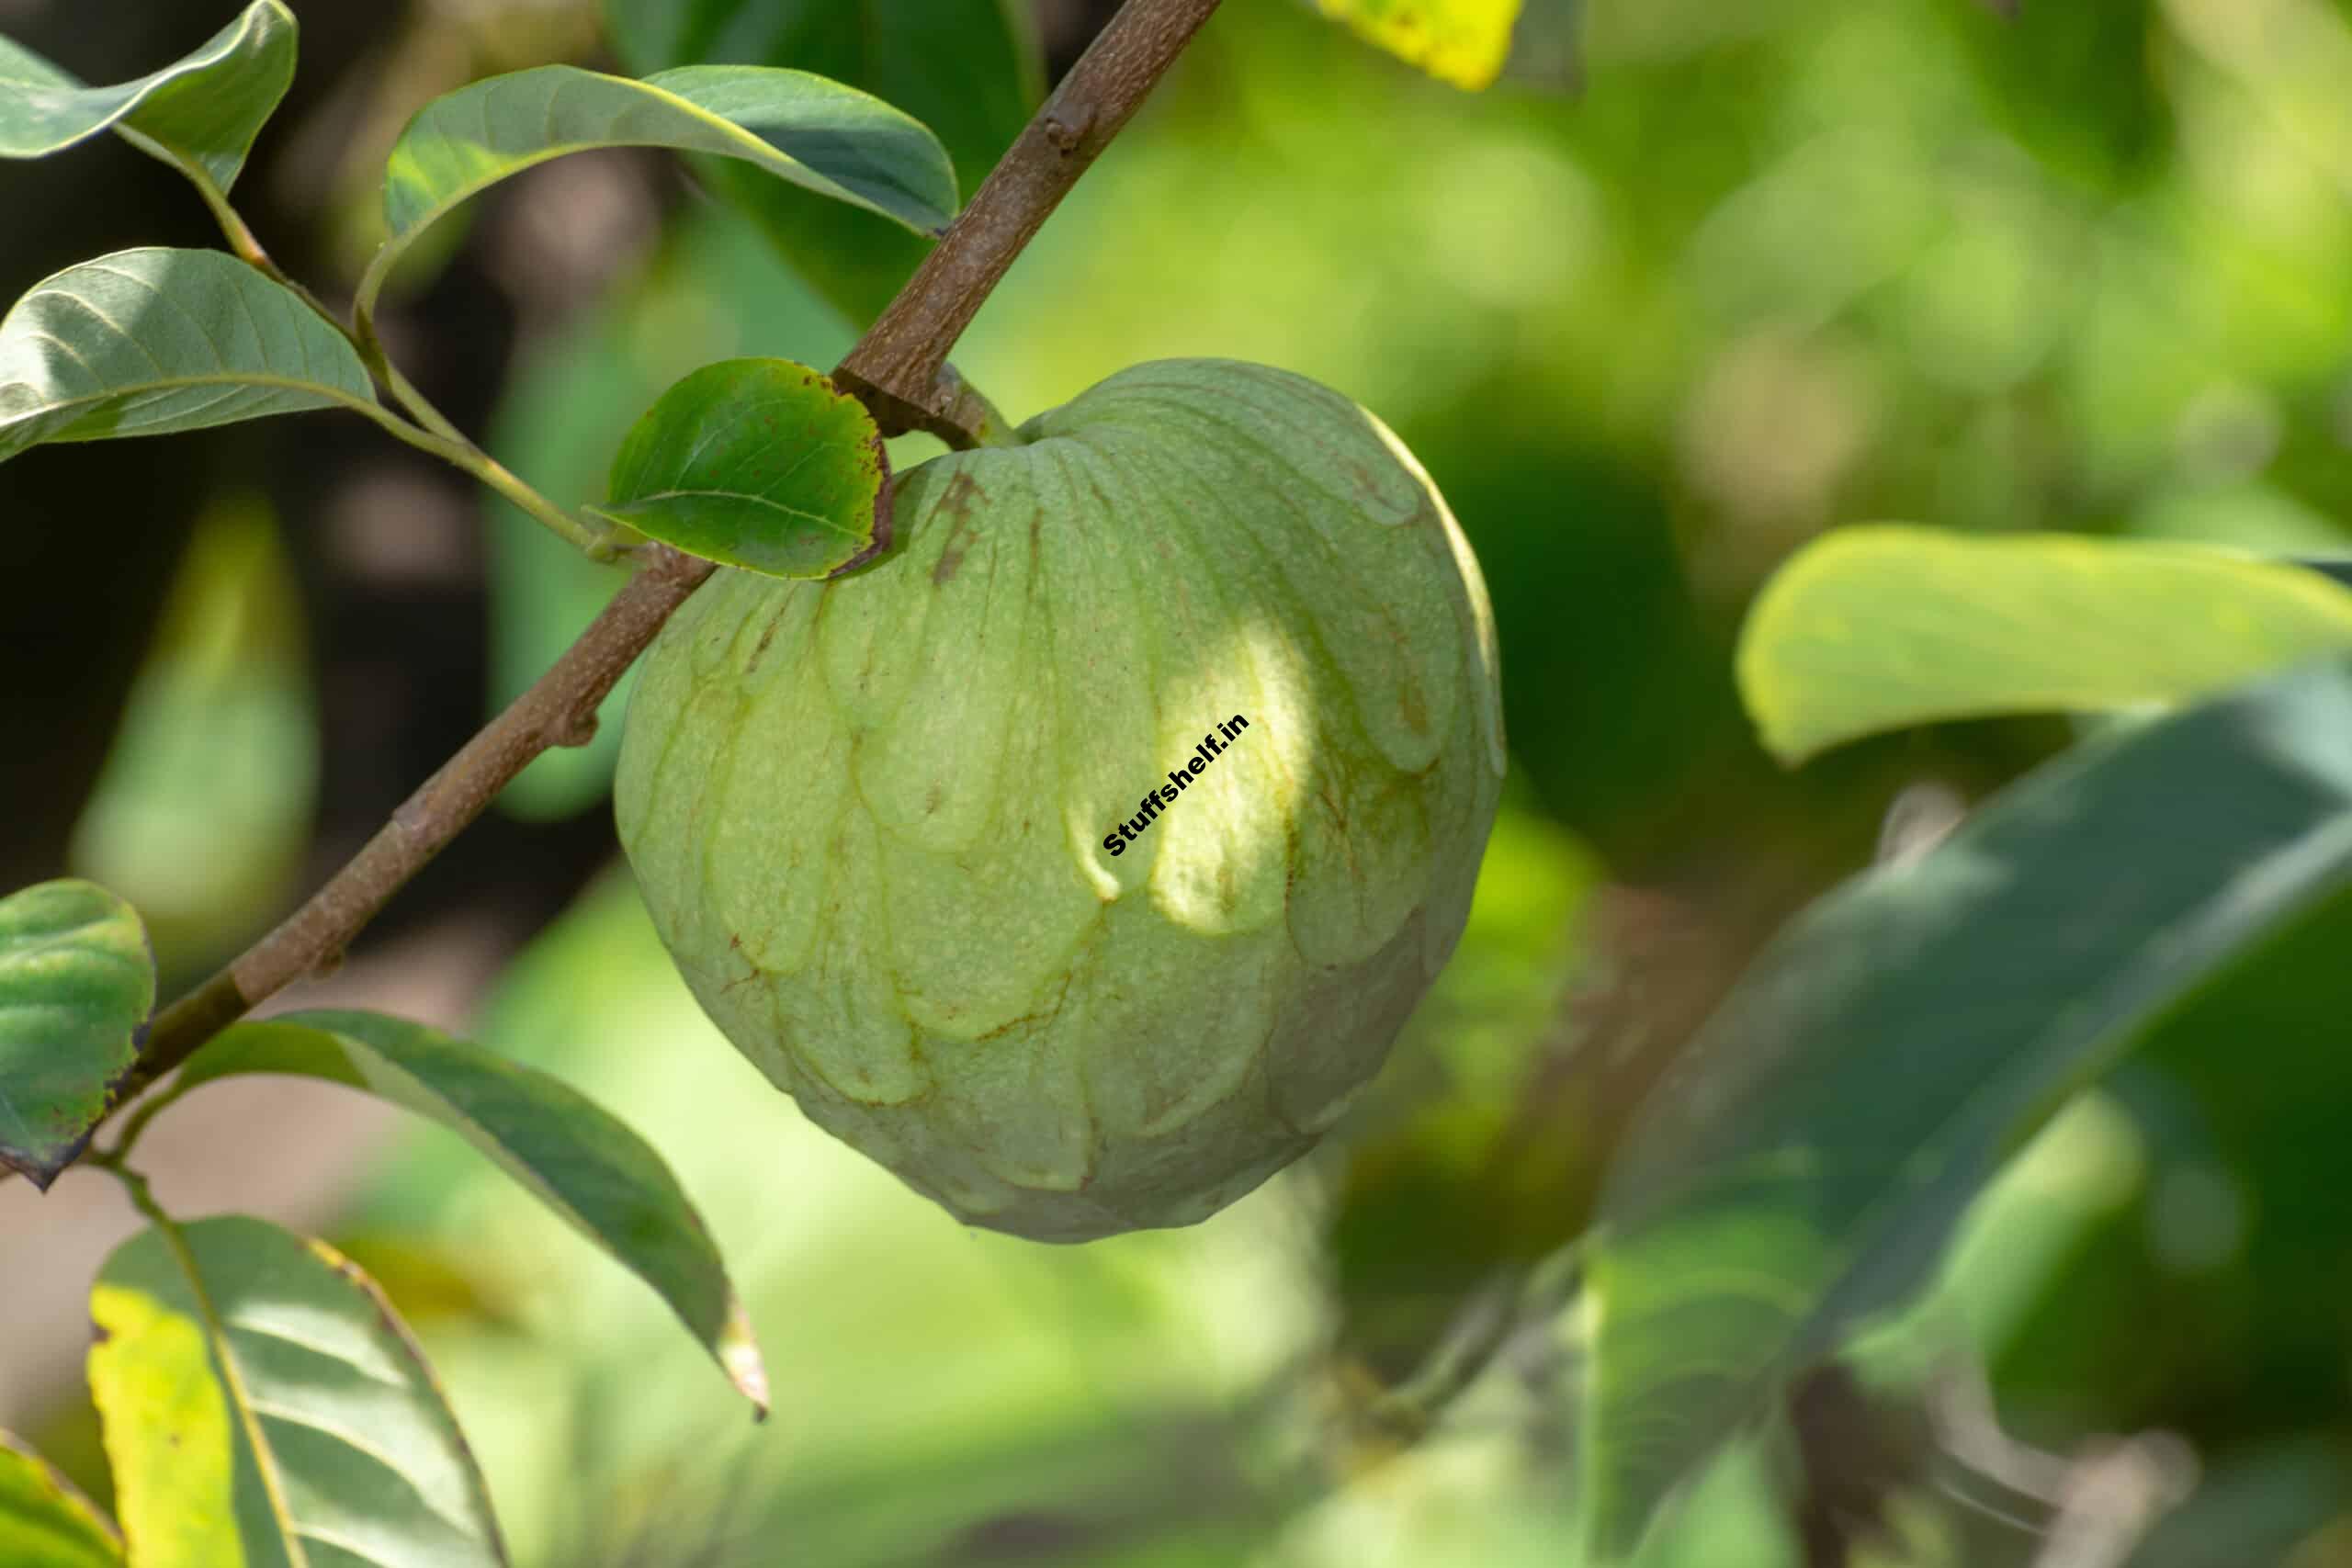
(1698, 279)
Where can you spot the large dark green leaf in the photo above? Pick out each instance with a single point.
(1870, 629)
(581, 1162)
(1809, 1154)
(76, 984)
(199, 114)
(44, 1523)
(262, 1405)
(756, 463)
(844, 144)
(968, 69)
(153, 341)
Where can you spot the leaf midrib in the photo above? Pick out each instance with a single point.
(175, 383)
(232, 1378)
(745, 497)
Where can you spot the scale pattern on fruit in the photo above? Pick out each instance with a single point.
(868, 815)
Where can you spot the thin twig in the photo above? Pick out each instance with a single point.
(431, 432)
(896, 368)
(598, 543)
(559, 710)
(900, 361)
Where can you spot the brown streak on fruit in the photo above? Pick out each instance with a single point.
(767, 636)
(962, 491)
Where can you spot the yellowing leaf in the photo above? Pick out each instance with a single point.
(1461, 41)
(166, 1432)
(44, 1523)
(263, 1408)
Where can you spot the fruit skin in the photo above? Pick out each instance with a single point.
(868, 815)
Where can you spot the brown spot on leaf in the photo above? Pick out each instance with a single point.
(886, 498)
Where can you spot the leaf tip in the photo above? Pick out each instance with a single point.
(739, 1357)
(40, 1171)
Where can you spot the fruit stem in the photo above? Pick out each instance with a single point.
(899, 369)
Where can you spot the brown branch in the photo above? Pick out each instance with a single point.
(897, 368)
(559, 710)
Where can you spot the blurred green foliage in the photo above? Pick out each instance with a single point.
(202, 817)
(1775, 265)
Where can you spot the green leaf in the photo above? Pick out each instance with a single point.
(760, 464)
(836, 140)
(1462, 41)
(1875, 628)
(199, 114)
(573, 1157)
(44, 1522)
(153, 341)
(968, 69)
(76, 984)
(262, 1403)
(1813, 1147)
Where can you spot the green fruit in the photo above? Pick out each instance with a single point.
(871, 817)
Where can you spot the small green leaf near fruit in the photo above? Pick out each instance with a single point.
(760, 464)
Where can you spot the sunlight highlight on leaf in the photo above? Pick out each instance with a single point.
(801, 129)
(263, 1404)
(199, 114)
(1875, 628)
(153, 341)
